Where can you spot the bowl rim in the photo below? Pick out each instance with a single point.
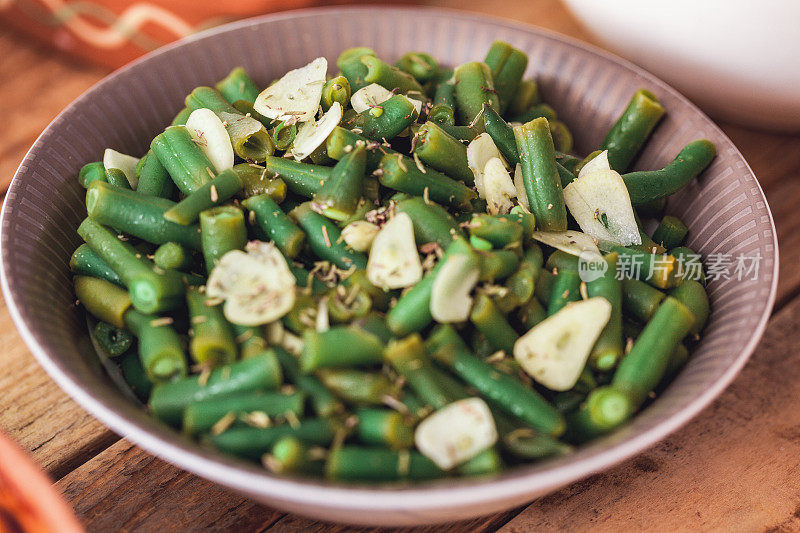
(515, 483)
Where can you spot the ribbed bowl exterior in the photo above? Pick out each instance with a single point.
(725, 210)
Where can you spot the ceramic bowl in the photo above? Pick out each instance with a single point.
(725, 210)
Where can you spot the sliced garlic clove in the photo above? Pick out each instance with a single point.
(210, 135)
(479, 152)
(554, 352)
(257, 285)
(369, 96)
(393, 258)
(498, 187)
(600, 203)
(359, 235)
(519, 185)
(570, 241)
(456, 433)
(598, 162)
(296, 95)
(313, 134)
(125, 163)
(450, 294)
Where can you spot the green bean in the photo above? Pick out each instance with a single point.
(246, 108)
(136, 214)
(342, 141)
(283, 135)
(508, 65)
(356, 463)
(384, 121)
(648, 245)
(357, 387)
(301, 178)
(486, 463)
(443, 152)
(474, 89)
(339, 195)
(85, 262)
(91, 172)
(349, 62)
(537, 111)
(608, 348)
(639, 299)
(544, 287)
(407, 357)
(200, 417)
(322, 401)
(412, 311)
(693, 295)
(677, 360)
(689, 265)
(502, 134)
(134, 375)
(339, 347)
(169, 400)
(525, 97)
(627, 136)
(384, 427)
(249, 143)
(482, 245)
(324, 238)
(491, 322)
(643, 367)
(604, 409)
(238, 85)
(181, 118)
(187, 165)
(215, 192)
(160, 348)
(444, 102)
(527, 444)
(531, 313)
(501, 231)
(252, 343)
(335, 90)
(276, 224)
(152, 178)
(290, 455)
(389, 77)
(173, 256)
(509, 393)
(560, 260)
(649, 185)
(566, 289)
(400, 173)
(497, 265)
(432, 222)
(112, 340)
(117, 178)
(222, 229)
(462, 133)
(423, 67)
(659, 270)
(670, 233)
(150, 291)
(106, 302)
(212, 340)
(569, 162)
(540, 175)
(562, 137)
(652, 209)
(345, 306)
(253, 442)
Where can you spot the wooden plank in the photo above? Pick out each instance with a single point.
(126, 489)
(39, 415)
(35, 84)
(734, 468)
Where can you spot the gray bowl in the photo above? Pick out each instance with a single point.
(726, 212)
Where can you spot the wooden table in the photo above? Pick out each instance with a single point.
(735, 467)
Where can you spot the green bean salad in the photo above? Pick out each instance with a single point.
(400, 272)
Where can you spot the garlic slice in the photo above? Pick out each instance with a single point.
(124, 162)
(209, 134)
(598, 162)
(479, 152)
(456, 433)
(359, 235)
(498, 186)
(600, 203)
(296, 95)
(450, 293)
(570, 241)
(313, 134)
(373, 95)
(393, 258)
(519, 185)
(257, 285)
(555, 351)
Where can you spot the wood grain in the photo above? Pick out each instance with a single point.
(40, 416)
